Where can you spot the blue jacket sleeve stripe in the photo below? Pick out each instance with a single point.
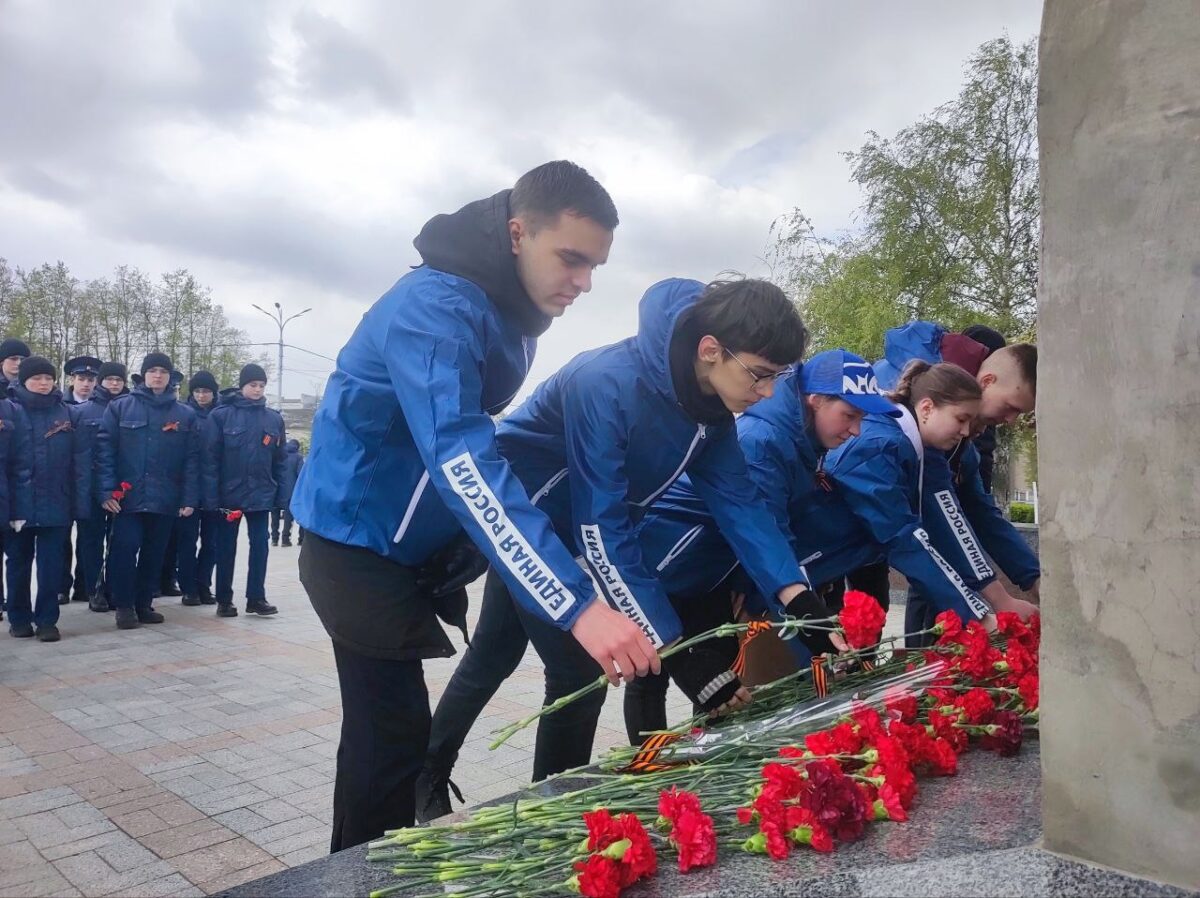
(434, 356)
(999, 537)
(596, 439)
(946, 504)
(978, 606)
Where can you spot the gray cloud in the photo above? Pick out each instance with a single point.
(293, 149)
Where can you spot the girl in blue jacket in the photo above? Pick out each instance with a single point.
(244, 477)
(58, 488)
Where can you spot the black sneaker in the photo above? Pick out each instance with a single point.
(226, 609)
(21, 631)
(261, 607)
(64, 599)
(127, 619)
(149, 616)
(98, 603)
(48, 634)
(433, 796)
(191, 600)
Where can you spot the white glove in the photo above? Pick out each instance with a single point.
(17, 525)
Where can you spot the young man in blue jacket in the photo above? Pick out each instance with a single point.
(284, 513)
(245, 476)
(594, 446)
(953, 487)
(404, 480)
(196, 549)
(150, 441)
(93, 527)
(58, 489)
(15, 471)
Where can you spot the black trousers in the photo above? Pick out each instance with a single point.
(385, 729)
(370, 607)
(564, 739)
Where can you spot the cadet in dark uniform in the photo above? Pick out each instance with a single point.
(81, 372)
(94, 527)
(12, 351)
(195, 567)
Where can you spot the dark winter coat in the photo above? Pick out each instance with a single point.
(58, 459)
(245, 463)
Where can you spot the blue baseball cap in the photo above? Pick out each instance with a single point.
(848, 377)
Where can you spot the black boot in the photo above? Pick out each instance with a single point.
(21, 631)
(226, 609)
(260, 607)
(286, 543)
(191, 599)
(48, 634)
(170, 589)
(206, 596)
(98, 603)
(127, 619)
(64, 599)
(149, 616)
(274, 540)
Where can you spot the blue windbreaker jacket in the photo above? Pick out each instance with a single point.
(403, 454)
(152, 443)
(864, 508)
(16, 462)
(604, 437)
(954, 493)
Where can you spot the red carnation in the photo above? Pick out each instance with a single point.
(1010, 624)
(888, 805)
(901, 704)
(846, 739)
(234, 515)
(861, 619)
(791, 751)
(1028, 688)
(783, 780)
(1019, 659)
(820, 743)
(947, 625)
(868, 721)
(803, 829)
(942, 758)
(835, 801)
(695, 839)
(1005, 733)
(597, 877)
(639, 860)
(674, 802)
(978, 705)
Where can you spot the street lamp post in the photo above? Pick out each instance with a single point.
(281, 323)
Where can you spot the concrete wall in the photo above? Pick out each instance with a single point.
(1119, 432)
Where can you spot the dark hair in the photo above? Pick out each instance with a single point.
(749, 315)
(544, 193)
(944, 383)
(1024, 359)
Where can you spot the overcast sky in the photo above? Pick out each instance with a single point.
(289, 151)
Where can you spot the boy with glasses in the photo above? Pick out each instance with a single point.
(594, 446)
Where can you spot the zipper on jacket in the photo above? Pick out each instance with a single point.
(412, 506)
(549, 485)
(700, 435)
(677, 549)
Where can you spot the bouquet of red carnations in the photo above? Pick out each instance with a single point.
(797, 770)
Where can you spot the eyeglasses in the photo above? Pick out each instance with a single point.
(756, 379)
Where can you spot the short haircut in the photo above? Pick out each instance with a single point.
(749, 315)
(544, 193)
(1023, 357)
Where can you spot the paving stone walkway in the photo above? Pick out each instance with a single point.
(186, 758)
